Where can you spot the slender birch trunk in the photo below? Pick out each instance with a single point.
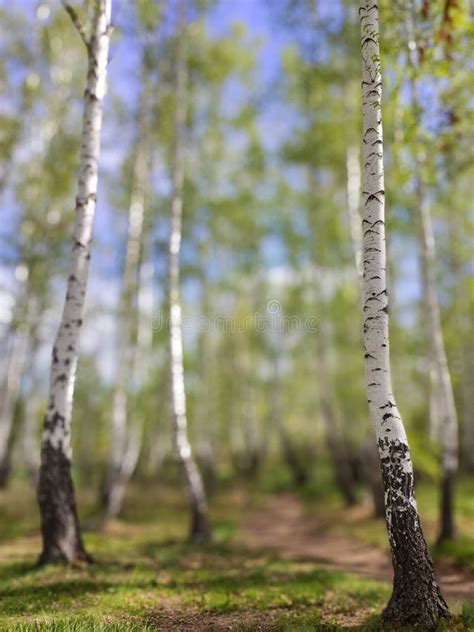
(126, 432)
(295, 464)
(370, 453)
(334, 437)
(9, 396)
(200, 529)
(333, 432)
(443, 416)
(206, 408)
(62, 540)
(416, 597)
(441, 397)
(29, 438)
(15, 360)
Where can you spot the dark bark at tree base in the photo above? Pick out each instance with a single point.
(112, 494)
(200, 528)
(415, 604)
(248, 465)
(4, 472)
(295, 465)
(376, 490)
(342, 472)
(416, 596)
(211, 479)
(62, 541)
(448, 530)
(373, 476)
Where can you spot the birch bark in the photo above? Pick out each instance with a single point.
(443, 415)
(125, 431)
(416, 597)
(62, 540)
(9, 396)
(370, 453)
(331, 422)
(15, 360)
(200, 529)
(295, 463)
(336, 446)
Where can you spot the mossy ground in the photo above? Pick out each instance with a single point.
(147, 577)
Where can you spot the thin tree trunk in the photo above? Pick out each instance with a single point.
(253, 447)
(295, 464)
(442, 396)
(337, 448)
(9, 396)
(333, 432)
(206, 405)
(467, 364)
(370, 452)
(29, 438)
(125, 433)
(416, 597)
(200, 529)
(62, 540)
(443, 416)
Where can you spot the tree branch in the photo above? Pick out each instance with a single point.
(76, 21)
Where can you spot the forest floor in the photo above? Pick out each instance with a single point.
(283, 526)
(278, 563)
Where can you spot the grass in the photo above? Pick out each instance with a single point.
(146, 577)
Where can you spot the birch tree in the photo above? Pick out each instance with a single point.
(125, 431)
(416, 596)
(443, 415)
(11, 389)
(61, 535)
(200, 529)
(353, 175)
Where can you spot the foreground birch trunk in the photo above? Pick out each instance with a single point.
(416, 597)
(60, 529)
(200, 530)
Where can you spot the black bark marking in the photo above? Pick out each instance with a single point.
(61, 378)
(389, 404)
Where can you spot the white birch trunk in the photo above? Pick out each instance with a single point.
(194, 486)
(442, 404)
(125, 431)
(9, 396)
(296, 463)
(369, 452)
(416, 597)
(353, 204)
(29, 438)
(331, 421)
(62, 539)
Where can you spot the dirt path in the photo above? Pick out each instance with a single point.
(282, 526)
